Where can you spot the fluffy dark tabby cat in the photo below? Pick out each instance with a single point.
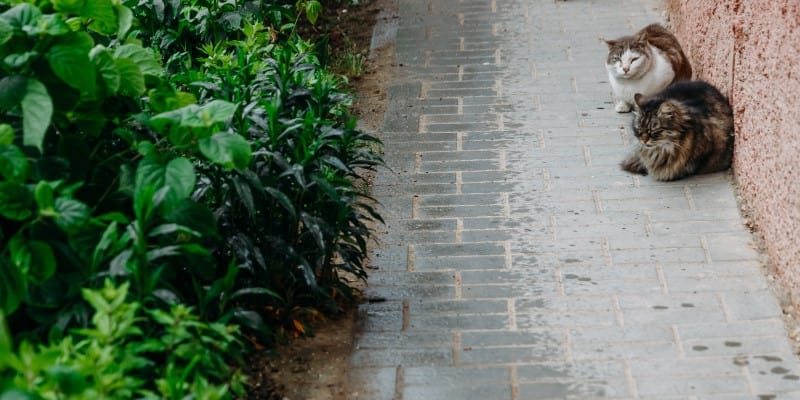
(685, 129)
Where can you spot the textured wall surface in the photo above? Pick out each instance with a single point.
(750, 49)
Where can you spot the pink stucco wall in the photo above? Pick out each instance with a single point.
(750, 49)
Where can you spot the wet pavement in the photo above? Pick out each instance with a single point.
(518, 261)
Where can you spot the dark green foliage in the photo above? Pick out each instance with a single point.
(219, 185)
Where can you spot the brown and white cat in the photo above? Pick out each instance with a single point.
(685, 129)
(644, 63)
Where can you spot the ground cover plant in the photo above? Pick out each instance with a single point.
(174, 176)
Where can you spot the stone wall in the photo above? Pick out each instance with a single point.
(750, 49)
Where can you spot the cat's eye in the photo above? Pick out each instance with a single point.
(634, 59)
(616, 58)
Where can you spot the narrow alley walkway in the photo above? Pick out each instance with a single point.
(520, 262)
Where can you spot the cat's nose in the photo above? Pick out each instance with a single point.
(625, 69)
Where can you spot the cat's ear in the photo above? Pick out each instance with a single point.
(642, 36)
(666, 109)
(610, 42)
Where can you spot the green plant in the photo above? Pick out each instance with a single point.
(125, 353)
(62, 155)
(226, 183)
(351, 62)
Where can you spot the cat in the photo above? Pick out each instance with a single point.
(685, 129)
(644, 63)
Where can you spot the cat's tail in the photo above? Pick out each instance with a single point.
(633, 164)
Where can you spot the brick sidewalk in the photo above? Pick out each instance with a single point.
(519, 261)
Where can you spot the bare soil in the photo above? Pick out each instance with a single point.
(315, 367)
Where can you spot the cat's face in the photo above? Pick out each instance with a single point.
(627, 58)
(657, 125)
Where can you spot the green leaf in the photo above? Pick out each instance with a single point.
(34, 258)
(73, 66)
(6, 347)
(69, 381)
(6, 134)
(37, 109)
(164, 98)
(12, 89)
(180, 177)
(131, 78)
(18, 60)
(195, 216)
(43, 194)
(254, 291)
(161, 252)
(80, 40)
(313, 10)
(69, 6)
(119, 264)
(17, 201)
(149, 172)
(125, 20)
(13, 288)
(169, 229)
(217, 111)
(105, 65)
(108, 239)
(72, 214)
(252, 321)
(231, 21)
(6, 31)
(194, 116)
(227, 149)
(101, 13)
(53, 25)
(19, 394)
(13, 163)
(144, 58)
(283, 200)
(22, 15)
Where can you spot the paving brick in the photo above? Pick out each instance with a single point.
(564, 371)
(388, 340)
(460, 263)
(501, 291)
(425, 376)
(752, 305)
(685, 367)
(509, 355)
(458, 322)
(442, 392)
(459, 307)
(691, 385)
(574, 390)
(430, 292)
(405, 356)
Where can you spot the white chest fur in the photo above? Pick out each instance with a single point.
(625, 84)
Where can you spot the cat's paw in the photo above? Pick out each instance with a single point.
(622, 107)
(634, 165)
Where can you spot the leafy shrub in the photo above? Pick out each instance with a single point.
(124, 354)
(67, 102)
(224, 188)
(292, 217)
